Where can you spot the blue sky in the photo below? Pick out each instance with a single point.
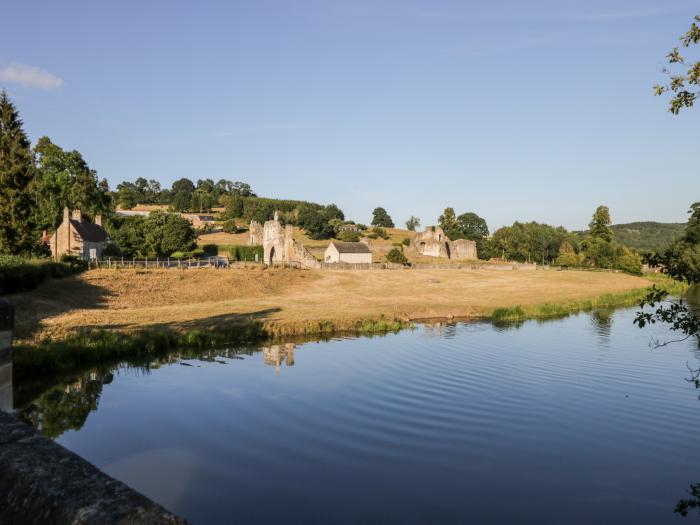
(537, 110)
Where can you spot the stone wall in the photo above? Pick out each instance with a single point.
(434, 243)
(42, 482)
(6, 327)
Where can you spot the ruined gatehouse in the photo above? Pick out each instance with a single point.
(279, 245)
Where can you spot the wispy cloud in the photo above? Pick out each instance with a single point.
(29, 76)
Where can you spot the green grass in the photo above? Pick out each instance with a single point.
(554, 311)
(98, 346)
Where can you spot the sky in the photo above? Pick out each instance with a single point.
(537, 110)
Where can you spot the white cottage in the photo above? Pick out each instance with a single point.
(348, 252)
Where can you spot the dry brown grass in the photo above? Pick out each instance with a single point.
(132, 299)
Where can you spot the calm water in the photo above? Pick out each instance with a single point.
(571, 421)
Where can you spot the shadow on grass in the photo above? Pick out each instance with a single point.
(53, 298)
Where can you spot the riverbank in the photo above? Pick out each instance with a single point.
(104, 314)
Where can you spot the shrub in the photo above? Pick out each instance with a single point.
(18, 274)
(197, 252)
(230, 226)
(380, 232)
(178, 255)
(211, 249)
(242, 253)
(396, 256)
(406, 241)
(349, 236)
(362, 227)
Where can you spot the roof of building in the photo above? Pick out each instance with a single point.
(89, 231)
(351, 247)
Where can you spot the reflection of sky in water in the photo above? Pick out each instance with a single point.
(574, 421)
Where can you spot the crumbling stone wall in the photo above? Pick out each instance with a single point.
(434, 243)
(279, 245)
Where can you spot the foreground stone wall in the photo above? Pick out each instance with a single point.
(6, 327)
(42, 482)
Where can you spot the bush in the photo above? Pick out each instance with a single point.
(242, 253)
(230, 226)
(362, 227)
(629, 261)
(379, 232)
(178, 255)
(396, 256)
(197, 252)
(406, 242)
(349, 236)
(18, 274)
(211, 249)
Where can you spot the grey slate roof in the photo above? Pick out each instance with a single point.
(351, 247)
(90, 232)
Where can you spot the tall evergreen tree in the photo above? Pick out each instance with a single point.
(16, 175)
(600, 225)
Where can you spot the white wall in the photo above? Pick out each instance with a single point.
(356, 258)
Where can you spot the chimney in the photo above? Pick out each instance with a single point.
(98, 219)
(66, 214)
(77, 215)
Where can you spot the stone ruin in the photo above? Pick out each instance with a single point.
(434, 243)
(279, 245)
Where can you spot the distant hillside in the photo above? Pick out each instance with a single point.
(648, 236)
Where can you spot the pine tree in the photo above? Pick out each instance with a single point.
(16, 174)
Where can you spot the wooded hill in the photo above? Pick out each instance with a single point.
(648, 236)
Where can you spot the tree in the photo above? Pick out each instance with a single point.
(182, 200)
(127, 195)
(182, 185)
(130, 235)
(396, 256)
(412, 223)
(472, 227)
(317, 220)
(600, 225)
(381, 218)
(17, 225)
(448, 221)
(63, 180)
(167, 233)
(234, 205)
(683, 84)
(682, 260)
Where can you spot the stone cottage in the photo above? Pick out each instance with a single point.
(434, 243)
(77, 237)
(348, 252)
(199, 220)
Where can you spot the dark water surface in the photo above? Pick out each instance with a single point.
(570, 421)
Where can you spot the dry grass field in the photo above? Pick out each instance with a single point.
(185, 299)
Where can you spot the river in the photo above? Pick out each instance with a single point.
(569, 421)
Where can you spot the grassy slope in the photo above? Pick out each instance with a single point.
(287, 302)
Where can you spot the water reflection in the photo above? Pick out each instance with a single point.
(66, 406)
(602, 322)
(529, 409)
(276, 355)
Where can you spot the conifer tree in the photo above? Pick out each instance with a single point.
(16, 174)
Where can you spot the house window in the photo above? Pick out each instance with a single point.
(93, 253)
